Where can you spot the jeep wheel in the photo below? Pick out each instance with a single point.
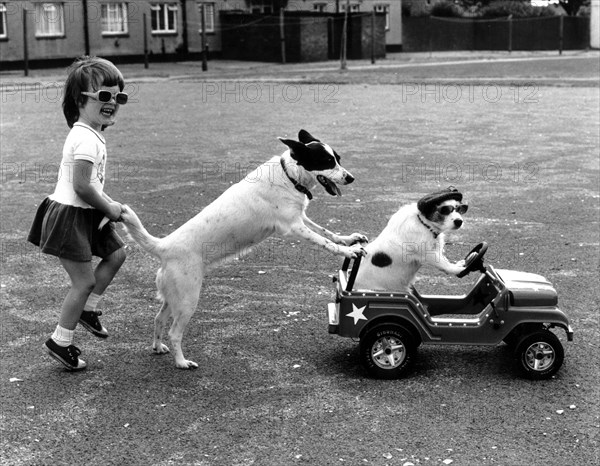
(387, 351)
(540, 355)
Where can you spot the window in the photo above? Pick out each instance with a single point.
(264, 7)
(209, 16)
(354, 7)
(49, 20)
(3, 31)
(384, 9)
(114, 18)
(164, 17)
(321, 7)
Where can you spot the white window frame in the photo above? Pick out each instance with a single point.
(320, 7)
(114, 18)
(4, 31)
(354, 7)
(49, 19)
(209, 11)
(265, 7)
(384, 8)
(164, 9)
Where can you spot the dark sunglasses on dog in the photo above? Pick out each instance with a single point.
(448, 209)
(107, 96)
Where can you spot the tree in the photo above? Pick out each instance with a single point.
(571, 6)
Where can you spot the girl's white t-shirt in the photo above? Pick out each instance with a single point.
(82, 143)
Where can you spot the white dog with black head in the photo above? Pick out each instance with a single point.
(413, 236)
(271, 199)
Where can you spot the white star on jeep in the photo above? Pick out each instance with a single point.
(357, 313)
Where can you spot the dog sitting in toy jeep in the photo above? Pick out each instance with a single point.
(517, 308)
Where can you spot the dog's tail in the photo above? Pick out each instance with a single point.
(136, 230)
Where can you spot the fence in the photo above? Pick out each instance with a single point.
(545, 33)
(306, 36)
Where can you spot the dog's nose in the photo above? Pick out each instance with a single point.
(458, 222)
(348, 178)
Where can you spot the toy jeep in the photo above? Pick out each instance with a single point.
(516, 308)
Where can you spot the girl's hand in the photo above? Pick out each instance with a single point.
(114, 212)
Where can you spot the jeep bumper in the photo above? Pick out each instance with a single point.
(333, 312)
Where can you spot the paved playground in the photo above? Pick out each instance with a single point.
(518, 134)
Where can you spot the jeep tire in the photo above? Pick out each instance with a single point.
(387, 351)
(539, 355)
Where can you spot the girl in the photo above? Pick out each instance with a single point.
(67, 223)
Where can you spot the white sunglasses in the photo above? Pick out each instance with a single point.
(107, 96)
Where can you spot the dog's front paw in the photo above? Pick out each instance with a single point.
(354, 251)
(458, 269)
(356, 238)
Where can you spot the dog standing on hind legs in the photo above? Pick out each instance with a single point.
(271, 199)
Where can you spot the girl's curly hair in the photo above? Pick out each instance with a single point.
(87, 74)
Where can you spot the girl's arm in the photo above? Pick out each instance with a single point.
(82, 174)
(107, 197)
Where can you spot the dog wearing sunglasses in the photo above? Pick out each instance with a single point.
(271, 199)
(413, 236)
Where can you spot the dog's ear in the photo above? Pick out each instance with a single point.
(427, 210)
(297, 149)
(305, 137)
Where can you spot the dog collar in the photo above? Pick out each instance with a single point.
(296, 184)
(435, 233)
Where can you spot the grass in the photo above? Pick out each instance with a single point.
(273, 387)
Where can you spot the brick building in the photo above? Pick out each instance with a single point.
(61, 30)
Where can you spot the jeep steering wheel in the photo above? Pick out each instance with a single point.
(474, 260)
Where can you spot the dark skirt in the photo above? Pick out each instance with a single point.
(72, 232)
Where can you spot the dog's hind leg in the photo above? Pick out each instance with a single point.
(181, 292)
(160, 322)
(181, 317)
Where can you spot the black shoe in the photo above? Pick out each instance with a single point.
(90, 321)
(67, 355)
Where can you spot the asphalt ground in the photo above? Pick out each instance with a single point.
(519, 135)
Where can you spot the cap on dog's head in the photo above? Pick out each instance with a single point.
(427, 204)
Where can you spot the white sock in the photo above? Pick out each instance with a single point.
(62, 336)
(92, 302)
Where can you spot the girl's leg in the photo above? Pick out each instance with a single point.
(60, 345)
(83, 282)
(104, 274)
(107, 269)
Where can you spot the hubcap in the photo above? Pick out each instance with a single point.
(539, 356)
(388, 352)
